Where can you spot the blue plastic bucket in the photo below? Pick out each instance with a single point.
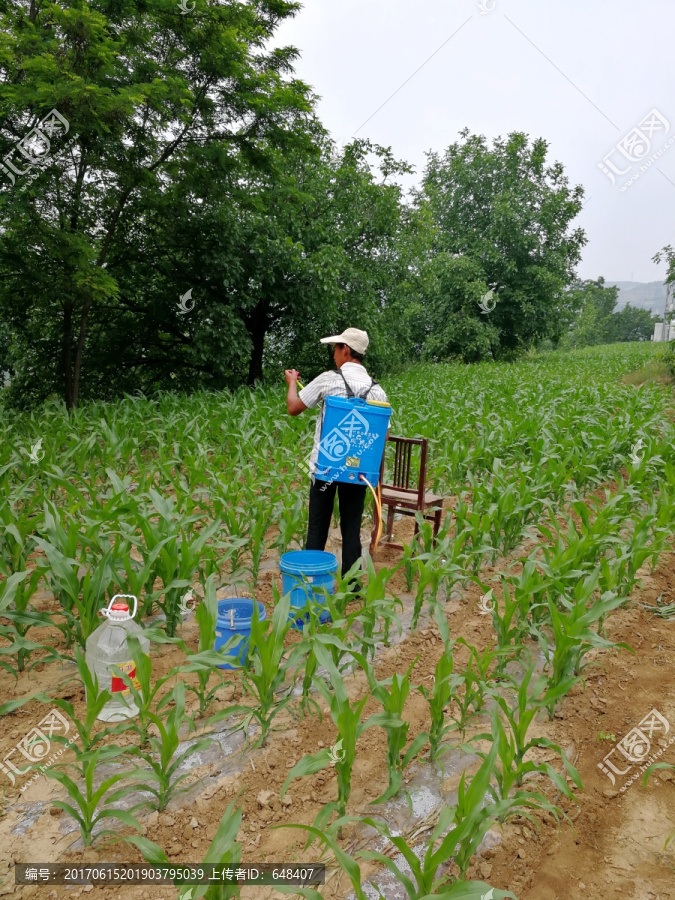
(353, 436)
(234, 617)
(319, 569)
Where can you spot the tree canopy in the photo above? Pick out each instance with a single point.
(596, 321)
(503, 218)
(174, 215)
(151, 99)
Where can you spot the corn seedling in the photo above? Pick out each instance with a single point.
(573, 635)
(378, 611)
(85, 595)
(475, 681)
(88, 734)
(289, 521)
(160, 779)
(147, 692)
(14, 607)
(268, 669)
(509, 626)
(144, 696)
(376, 607)
(347, 720)
(430, 576)
(409, 565)
(16, 591)
(87, 812)
(472, 818)
(178, 558)
(205, 663)
(444, 690)
(259, 521)
(224, 850)
(179, 561)
(392, 694)
(513, 744)
(423, 871)
(331, 635)
(473, 528)
(344, 595)
(87, 758)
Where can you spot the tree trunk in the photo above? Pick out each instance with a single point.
(257, 326)
(79, 351)
(72, 361)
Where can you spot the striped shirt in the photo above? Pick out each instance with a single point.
(330, 384)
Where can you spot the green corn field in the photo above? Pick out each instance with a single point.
(559, 481)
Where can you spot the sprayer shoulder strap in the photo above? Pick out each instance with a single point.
(350, 392)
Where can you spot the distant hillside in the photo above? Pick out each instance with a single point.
(649, 295)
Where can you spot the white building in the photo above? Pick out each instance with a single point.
(664, 332)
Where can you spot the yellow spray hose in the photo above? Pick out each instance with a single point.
(377, 497)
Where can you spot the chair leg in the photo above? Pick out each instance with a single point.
(437, 525)
(390, 521)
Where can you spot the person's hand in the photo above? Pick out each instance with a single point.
(291, 376)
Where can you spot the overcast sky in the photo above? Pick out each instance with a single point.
(582, 74)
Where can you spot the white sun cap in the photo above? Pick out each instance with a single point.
(353, 337)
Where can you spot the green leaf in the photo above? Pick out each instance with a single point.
(308, 765)
(152, 852)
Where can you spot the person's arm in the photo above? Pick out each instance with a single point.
(293, 403)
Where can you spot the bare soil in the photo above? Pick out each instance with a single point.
(615, 847)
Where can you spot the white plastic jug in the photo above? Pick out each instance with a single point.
(108, 647)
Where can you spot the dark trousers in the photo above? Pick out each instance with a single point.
(351, 500)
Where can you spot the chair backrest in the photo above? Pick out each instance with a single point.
(403, 466)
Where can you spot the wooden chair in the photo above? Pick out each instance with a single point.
(399, 496)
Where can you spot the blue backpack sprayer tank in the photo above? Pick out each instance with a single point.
(353, 438)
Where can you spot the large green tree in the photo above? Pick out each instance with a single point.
(506, 213)
(269, 256)
(597, 322)
(631, 324)
(594, 304)
(104, 107)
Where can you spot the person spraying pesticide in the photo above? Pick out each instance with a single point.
(349, 438)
